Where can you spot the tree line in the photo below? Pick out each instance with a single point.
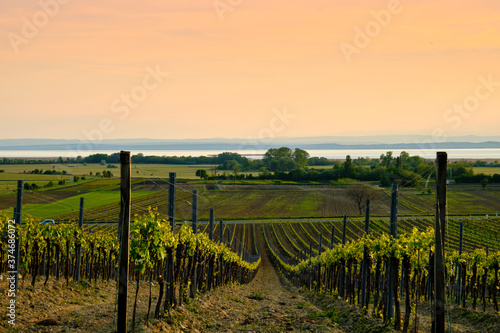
(286, 164)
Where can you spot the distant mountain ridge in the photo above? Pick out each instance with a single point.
(320, 142)
(333, 142)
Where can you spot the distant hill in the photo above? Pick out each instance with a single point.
(225, 144)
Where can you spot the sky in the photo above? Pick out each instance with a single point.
(93, 70)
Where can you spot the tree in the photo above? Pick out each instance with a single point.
(484, 182)
(348, 170)
(106, 174)
(278, 159)
(386, 160)
(264, 172)
(202, 173)
(300, 158)
(214, 168)
(360, 193)
(236, 168)
(403, 158)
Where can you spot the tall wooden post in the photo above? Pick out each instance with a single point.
(211, 237)
(365, 255)
(394, 211)
(394, 233)
(80, 225)
(459, 275)
(344, 230)
(439, 306)
(195, 231)
(195, 211)
(320, 240)
(221, 231)
(17, 220)
(124, 225)
(211, 225)
(171, 218)
(332, 238)
(171, 200)
(342, 267)
(318, 267)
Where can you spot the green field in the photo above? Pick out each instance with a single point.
(248, 199)
(21, 171)
(486, 170)
(72, 204)
(13, 173)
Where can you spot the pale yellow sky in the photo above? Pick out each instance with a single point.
(237, 68)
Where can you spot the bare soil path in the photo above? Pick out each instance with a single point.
(263, 305)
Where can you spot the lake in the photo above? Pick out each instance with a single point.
(486, 153)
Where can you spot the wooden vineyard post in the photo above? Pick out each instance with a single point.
(195, 212)
(394, 211)
(124, 225)
(459, 275)
(221, 231)
(211, 237)
(171, 218)
(439, 306)
(171, 200)
(80, 225)
(319, 246)
(17, 223)
(195, 231)
(332, 238)
(318, 268)
(342, 266)
(329, 269)
(394, 233)
(310, 269)
(211, 225)
(365, 256)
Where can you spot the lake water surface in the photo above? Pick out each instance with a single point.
(328, 153)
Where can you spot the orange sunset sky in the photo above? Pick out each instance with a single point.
(80, 69)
